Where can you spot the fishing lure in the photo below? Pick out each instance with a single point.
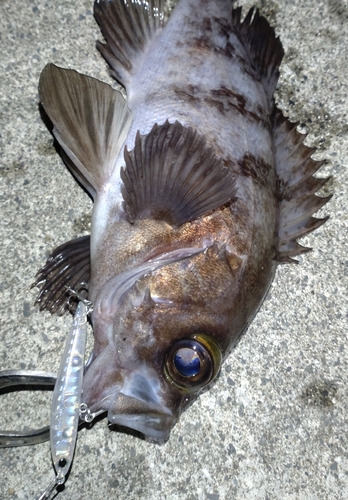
(66, 410)
(66, 400)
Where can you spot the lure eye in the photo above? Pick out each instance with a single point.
(193, 362)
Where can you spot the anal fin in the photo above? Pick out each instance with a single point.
(172, 175)
(69, 265)
(296, 187)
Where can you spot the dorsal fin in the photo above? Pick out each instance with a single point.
(127, 27)
(265, 48)
(68, 265)
(172, 175)
(90, 119)
(296, 187)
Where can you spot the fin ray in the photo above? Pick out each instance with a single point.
(296, 187)
(90, 122)
(68, 265)
(127, 27)
(265, 47)
(172, 175)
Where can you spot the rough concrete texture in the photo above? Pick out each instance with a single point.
(275, 425)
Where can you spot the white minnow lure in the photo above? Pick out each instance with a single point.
(65, 412)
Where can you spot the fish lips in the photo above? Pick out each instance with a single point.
(140, 406)
(136, 397)
(152, 421)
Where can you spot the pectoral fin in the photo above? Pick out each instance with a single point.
(90, 120)
(172, 175)
(69, 265)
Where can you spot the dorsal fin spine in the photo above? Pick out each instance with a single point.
(297, 187)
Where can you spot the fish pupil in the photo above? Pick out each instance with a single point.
(187, 362)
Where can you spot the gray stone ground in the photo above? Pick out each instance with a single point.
(275, 426)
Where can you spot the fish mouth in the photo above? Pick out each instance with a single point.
(135, 398)
(152, 421)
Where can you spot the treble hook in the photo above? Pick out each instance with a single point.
(57, 481)
(77, 293)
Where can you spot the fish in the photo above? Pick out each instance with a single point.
(201, 187)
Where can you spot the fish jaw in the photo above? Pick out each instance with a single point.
(132, 396)
(122, 383)
(139, 406)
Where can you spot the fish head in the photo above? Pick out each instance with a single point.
(160, 343)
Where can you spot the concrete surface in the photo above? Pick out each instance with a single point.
(275, 426)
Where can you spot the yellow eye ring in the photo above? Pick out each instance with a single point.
(192, 362)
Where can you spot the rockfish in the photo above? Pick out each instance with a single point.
(200, 185)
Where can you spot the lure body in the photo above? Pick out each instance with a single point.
(198, 161)
(67, 394)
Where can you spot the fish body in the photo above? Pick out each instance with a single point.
(200, 188)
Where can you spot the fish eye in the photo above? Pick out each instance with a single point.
(193, 362)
